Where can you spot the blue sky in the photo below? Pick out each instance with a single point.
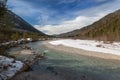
(60, 16)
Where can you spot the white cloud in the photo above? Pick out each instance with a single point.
(86, 17)
(23, 8)
(66, 26)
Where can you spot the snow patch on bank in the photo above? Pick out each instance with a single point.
(90, 45)
(9, 67)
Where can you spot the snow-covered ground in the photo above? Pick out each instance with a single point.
(9, 67)
(90, 45)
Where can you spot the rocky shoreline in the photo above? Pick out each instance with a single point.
(28, 56)
(25, 56)
(9, 67)
(47, 72)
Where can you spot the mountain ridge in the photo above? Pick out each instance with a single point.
(13, 27)
(22, 24)
(107, 28)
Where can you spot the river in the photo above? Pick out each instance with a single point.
(73, 66)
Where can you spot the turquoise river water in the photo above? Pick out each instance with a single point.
(73, 66)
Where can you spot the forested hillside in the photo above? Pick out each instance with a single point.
(107, 28)
(12, 27)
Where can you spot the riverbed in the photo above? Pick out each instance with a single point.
(61, 65)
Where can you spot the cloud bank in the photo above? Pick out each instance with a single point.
(67, 26)
(86, 17)
(60, 16)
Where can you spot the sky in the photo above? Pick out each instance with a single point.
(61, 16)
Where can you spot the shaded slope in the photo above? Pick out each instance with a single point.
(21, 24)
(107, 28)
(14, 27)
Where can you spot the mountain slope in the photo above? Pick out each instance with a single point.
(14, 27)
(107, 28)
(21, 24)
